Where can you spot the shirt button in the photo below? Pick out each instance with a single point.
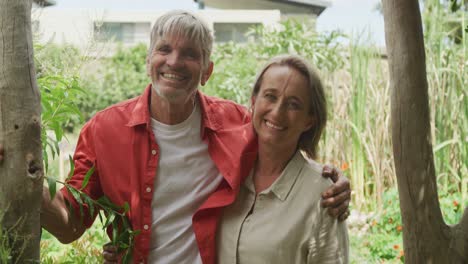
(153, 152)
(145, 227)
(148, 189)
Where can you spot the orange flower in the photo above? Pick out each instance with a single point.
(455, 203)
(399, 228)
(344, 166)
(400, 254)
(374, 223)
(396, 247)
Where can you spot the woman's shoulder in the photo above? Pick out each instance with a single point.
(308, 184)
(312, 173)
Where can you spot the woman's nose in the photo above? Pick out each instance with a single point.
(277, 110)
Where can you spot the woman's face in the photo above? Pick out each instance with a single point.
(281, 107)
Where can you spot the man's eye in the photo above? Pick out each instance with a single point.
(191, 55)
(163, 49)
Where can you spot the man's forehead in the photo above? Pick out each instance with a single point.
(179, 40)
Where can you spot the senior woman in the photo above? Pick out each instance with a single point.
(277, 217)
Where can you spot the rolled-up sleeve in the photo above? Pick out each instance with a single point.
(330, 243)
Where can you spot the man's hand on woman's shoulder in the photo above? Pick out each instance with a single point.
(338, 196)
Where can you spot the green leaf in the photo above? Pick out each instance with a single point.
(126, 207)
(90, 203)
(115, 232)
(86, 178)
(444, 144)
(101, 218)
(110, 218)
(52, 187)
(72, 166)
(46, 159)
(56, 145)
(48, 143)
(76, 194)
(106, 203)
(127, 257)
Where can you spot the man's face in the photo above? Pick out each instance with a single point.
(176, 68)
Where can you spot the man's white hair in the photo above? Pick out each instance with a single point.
(181, 23)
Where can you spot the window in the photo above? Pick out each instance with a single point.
(121, 32)
(225, 32)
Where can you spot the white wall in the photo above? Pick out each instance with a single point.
(76, 26)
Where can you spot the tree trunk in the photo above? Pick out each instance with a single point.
(21, 172)
(426, 237)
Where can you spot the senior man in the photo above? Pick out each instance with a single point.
(171, 153)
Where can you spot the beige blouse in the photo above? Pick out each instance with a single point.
(283, 224)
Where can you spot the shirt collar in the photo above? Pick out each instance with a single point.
(283, 185)
(140, 114)
(210, 119)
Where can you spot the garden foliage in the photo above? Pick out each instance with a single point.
(357, 138)
(60, 92)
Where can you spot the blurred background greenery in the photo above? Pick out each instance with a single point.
(357, 137)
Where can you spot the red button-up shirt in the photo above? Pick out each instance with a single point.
(121, 145)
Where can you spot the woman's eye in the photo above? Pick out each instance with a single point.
(294, 106)
(270, 96)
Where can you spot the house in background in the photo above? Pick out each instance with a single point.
(98, 31)
(302, 10)
(288, 8)
(43, 3)
(101, 30)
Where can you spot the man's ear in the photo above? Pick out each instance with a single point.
(148, 66)
(207, 73)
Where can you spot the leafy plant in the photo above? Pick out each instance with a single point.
(59, 93)
(58, 100)
(111, 215)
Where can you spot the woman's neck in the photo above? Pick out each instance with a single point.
(270, 164)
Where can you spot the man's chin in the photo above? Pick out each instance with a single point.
(173, 95)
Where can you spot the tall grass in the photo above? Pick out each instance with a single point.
(363, 145)
(367, 145)
(359, 67)
(446, 53)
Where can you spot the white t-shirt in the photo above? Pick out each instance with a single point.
(185, 178)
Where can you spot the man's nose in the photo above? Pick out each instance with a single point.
(174, 59)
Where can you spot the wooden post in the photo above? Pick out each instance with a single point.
(21, 171)
(426, 237)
